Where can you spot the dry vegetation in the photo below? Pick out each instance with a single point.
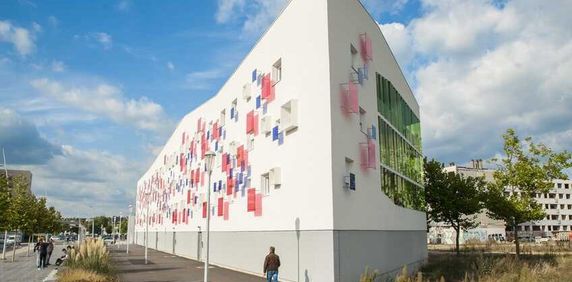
(88, 263)
(554, 265)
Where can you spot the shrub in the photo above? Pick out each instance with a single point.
(81, 275)
(90, 262)
(369, 275)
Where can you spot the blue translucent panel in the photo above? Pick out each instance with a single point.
(275, 133)
(220, 131)
(208, 135)
(224, 134)
(373, 132)
(366, 71)
(281, 138)
(257, 102)
(254, 75)
(231, 113)
(360, 76)
(265, 108)
(216, 145)
(259, 79)
(230, 174)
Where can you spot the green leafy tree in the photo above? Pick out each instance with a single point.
(21, 214)
(525, 170)
(123, 226)
(5, 196)
(102, 221)
(452, 198)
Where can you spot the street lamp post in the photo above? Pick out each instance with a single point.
(129, 233)
(119, 229)
(147, 224)
(210, 155)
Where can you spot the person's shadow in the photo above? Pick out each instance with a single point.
(306, 276)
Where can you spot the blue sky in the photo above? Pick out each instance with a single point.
(90, 90)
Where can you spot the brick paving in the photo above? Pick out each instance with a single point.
(166, 267)
(24, 267)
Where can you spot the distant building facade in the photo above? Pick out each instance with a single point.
(557, 204)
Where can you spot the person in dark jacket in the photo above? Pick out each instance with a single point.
(271, 265)
(42, 248)
(50, 250)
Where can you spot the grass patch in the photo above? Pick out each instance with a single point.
(486, 267)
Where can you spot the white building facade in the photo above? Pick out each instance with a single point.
(318, 153)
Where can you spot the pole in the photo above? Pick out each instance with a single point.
(4, 247)
(128, 227)
(206, 278)
(120, 216)
(146, 230)
(93, 228)
(5, 168)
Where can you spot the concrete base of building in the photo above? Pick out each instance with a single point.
(321, 255)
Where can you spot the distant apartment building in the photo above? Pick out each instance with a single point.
(557, 204)
(487, 228)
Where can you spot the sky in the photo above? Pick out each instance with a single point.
(91, 90)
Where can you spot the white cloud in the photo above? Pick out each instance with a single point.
(104, 39)
(201, 80)
(123, 5)
(400, 40)
(53, 21)
(170, 66)
(256, 14)
(376, 7)
(21, 38)
(108, 101)
(227, 9)
(486, 68)
(78, 179)
(58, 66)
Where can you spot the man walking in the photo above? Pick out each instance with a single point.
(50, 250)
(271, 265)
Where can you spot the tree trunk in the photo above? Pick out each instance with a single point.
(14, 246)
(458, 229)
(29, 242)
(516, 241)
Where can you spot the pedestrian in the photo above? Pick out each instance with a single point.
(63, 258)
(37, 251)
(50, 250)
(271, 265)
(42, 248)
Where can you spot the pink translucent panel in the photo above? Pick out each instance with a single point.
(220, 207)
(366, 47)
(344, 98)
(258, 205)
(250, 122)
(226, 207)
(199, 124)
(255, 125)
(266, 87)
(363, 154)
(353, 100)
(371, 156)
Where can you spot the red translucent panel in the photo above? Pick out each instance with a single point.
(372, 153)
(366, 47)
(188, 197)
(363, 154)
(229, 186)
(258, 205)
(250, 122)
(226, 211)
(251, 199)
(266, 87)
(353, 99)
(220, 207)
(204, 209)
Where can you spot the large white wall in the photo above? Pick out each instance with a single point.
(299, 38)
(367, 208)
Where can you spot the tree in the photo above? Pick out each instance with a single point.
(5, 196)
(123, 227)
(21, 215)
(102, 221)
(452, 198)
(525, 170)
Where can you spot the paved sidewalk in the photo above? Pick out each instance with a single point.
(166, 267)
(24, 267)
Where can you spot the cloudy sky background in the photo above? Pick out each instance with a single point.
(90, 91)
